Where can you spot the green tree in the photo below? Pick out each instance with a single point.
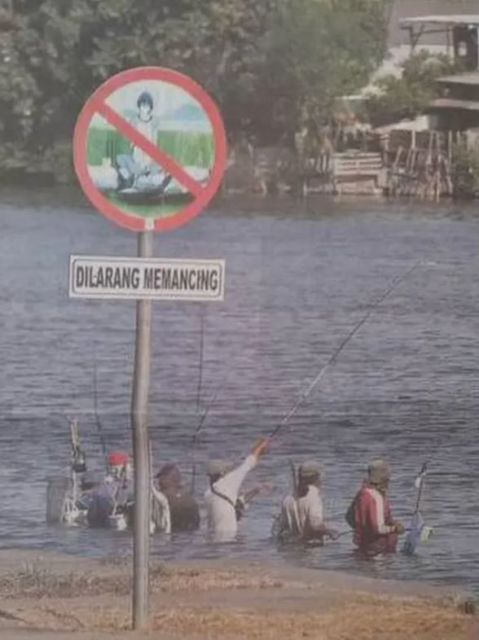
(407, 96)
(269, 64)
(318, 50)
(465, 171)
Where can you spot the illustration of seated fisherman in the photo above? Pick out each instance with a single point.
(137, 171)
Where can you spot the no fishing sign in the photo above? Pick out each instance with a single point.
(150, 149)
(150, 152)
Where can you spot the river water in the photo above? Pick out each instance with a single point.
(299, 276)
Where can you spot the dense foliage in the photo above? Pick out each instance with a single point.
(409, 94)
(465, 171)
(270, 64)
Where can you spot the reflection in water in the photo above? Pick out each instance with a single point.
(298, 278)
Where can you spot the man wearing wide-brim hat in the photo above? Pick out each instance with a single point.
(370, 516)
(302, 515)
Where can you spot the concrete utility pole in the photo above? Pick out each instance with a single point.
(141, 449)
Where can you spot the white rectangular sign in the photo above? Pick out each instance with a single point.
(146, 278)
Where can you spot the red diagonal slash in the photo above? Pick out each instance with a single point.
(167, 162)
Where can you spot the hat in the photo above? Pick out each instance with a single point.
(118, 459)
(378, 472)
(169, 476)
(309, 469)
(218, 467)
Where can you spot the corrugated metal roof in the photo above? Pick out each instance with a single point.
(419, 124)
(402, 9)
(452, 20)
(453, 103)
(470, 78)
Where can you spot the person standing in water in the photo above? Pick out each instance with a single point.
(302, 514)
(369, 514)
(223, 503)
(184, 510)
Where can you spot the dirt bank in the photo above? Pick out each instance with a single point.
(47, 595)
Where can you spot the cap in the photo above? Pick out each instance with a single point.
(378, 471)
(118, 458)
(169, 476)
(309, 469)
(218, 467)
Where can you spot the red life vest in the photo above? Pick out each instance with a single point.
(372, 522)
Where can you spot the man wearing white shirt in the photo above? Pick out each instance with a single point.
(302, 514)
(222, 497)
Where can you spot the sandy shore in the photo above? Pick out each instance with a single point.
(47, 595)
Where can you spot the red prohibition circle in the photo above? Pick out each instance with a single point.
(80, 148)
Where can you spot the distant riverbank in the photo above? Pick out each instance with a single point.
(247, 204)
(58, 593)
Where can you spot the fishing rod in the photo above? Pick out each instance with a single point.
(419, 484)
(407, 530)
(417, 530)
(197, 433)
(372, 307)
(198, 398)
(97, 418)
(294, 477)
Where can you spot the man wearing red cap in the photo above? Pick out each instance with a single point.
(112, 497)
(117, 459)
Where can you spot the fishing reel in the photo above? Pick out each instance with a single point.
(78, 455)
(79, 461)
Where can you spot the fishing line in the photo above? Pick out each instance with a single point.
(198, 398)
(202, 421)
(200, 366)
(97, 417)
(341, 346)
(197, 433)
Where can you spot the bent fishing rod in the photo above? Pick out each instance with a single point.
(332, 360)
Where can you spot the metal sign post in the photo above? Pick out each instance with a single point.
(145, 183)
(141, 448)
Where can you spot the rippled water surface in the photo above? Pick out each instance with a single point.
(298, 279)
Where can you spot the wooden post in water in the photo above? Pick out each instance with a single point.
(141, 449)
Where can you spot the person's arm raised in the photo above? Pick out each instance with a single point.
(230, 484)
(260, 448)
